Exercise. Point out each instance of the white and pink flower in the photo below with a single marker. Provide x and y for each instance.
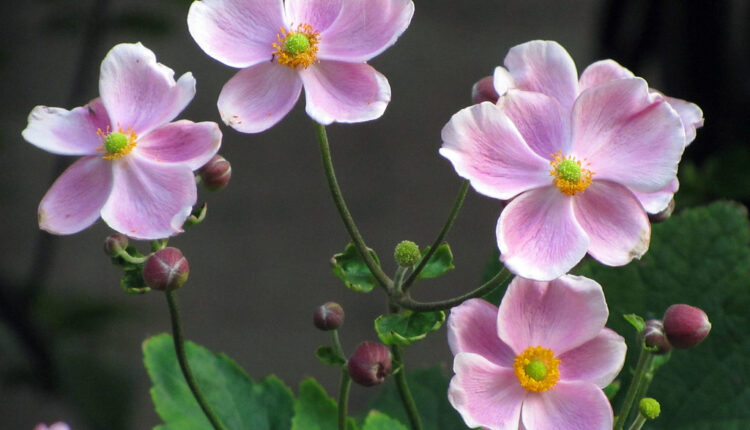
(55, 426)
(136, 170)
(321, 45)
(581, 162)
(537, 362)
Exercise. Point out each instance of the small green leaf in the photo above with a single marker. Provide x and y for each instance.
(439, 264)
(612, 389)
(329, 357)
(636, 321)
(408, 327)
(351, 268)
(132, 281)
(315, 410)
(379, 421)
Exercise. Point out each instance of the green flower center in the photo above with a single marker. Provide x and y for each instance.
(569, 170)
(536, 370)
(296, 43)
(115, 142)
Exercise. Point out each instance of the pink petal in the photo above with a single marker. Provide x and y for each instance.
(544, 67)
(502, 80)
(559, 315)
(601, 72)
(616, 224)
(570, 405)
(628, 135)
(344, 92)
(237, 33)
(472, 327)
(538, 235)
(540, 119)
(486, 148)
(183, 142)
(67, 132)
(598, 360)
(258, 97)
(74, 200)
(139, 92)
(690, 115)
(319, 14)
(149, 200)
(485, 394)
(657, 201)
(361, 29)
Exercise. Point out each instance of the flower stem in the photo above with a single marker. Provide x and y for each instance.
(403, 390)
(344, 385)
(131, 259)
(439, 239)
(644, 363)
(640, 420)
(346, 217)
(179, 346)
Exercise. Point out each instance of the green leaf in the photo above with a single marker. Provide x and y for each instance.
(132, 281)
(699, 257)
(439, 264)
(239, 402)
(351, 268)
(329, 356)
(612, 389)
(636, 321)
(314, 410)
(408, 327)
(379, 421)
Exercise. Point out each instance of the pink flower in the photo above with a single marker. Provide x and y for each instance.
(55, 426)
(137, 168)
(539, 361)
(573, 159)
(322, 45)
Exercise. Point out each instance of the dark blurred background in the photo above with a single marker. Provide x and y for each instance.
(70, 339)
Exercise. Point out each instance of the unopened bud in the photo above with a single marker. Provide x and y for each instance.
(407, 253)
(216, 173)
(654, 338)
(663, 215)
(114, 243)
(649, 408)
(685, 325)
(370, 363)
(328, 316)
(166, 270)
(484, 91)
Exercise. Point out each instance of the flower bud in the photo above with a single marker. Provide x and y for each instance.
(166, 270)
(328, 316)
(654, 338)
(370, 363)
(685, 325)
(407, 253)
(649, 408)
(663, 215)
(484, 91)
(114, 243)
(216, 173)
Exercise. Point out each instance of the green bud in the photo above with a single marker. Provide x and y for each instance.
(296, 43)
(569, 170)
(407, 253)
(649, 408)
(115, 142)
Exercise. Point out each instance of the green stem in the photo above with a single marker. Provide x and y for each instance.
(403, 390)
(158, 245)
(648, 376)
(644, 362)
(179, 346)
(344, 385)
(346, 217)
(337, 343)
(130, 259)
(407, 302)
(439, 239)
(638, 423)
(398, 278)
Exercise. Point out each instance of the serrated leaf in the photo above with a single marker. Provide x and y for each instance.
(408, 327)
(315, 410)
(240, 402)
(329, 356)
(636, 321)
(439, 264)
(351, 268)
(379, 421)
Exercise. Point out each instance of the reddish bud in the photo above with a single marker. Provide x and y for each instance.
(328, 316)
(654, 338)
(484, 91)
(370, 363)
(685, 326)
(166, 270)
(216, 173)
(114, 243)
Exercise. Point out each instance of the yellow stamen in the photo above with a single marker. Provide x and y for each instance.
(113, 152)
(570, 175)
(297, 48)
(537, 369)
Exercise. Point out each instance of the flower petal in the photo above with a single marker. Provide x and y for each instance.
(628, 135)
(364, 29)
(690, 114)
(601, 72)
(559, 315)
(74, 200)
(540, 119)
(67, 132)
(615, 222)
(538, 235)
(237, 33)
(544, 67)
(486, 148)
(657, 201)
(139, 92)
(344, 92)
(485, 394)
(182, 142)
(472, 327)
(149, 200)
(570, 405)
(319, 14)
(598, 360)
(256, 98)
(502, 80)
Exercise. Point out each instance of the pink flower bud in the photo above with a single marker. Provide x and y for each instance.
(166, 270)
(653, 336)
(114, 243)
(685, 326)
(370, 363)
(216, 173)
(484, 91)
(328, 316)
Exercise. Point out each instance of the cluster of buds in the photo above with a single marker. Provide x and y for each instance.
(683, 327)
